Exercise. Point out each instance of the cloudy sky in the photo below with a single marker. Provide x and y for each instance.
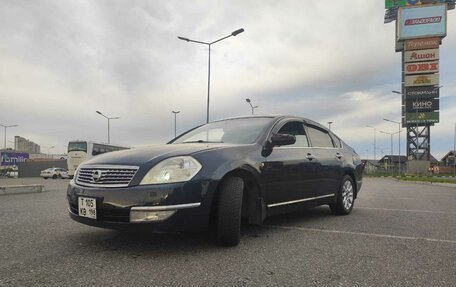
(60, 61)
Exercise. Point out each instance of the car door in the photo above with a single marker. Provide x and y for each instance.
(330, 157)
(289, 172)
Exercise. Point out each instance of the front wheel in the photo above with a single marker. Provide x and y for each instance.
(229, 205)
(345, 197)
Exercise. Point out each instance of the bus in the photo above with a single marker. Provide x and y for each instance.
(80, 151)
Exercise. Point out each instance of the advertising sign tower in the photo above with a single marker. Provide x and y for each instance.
(420, 28)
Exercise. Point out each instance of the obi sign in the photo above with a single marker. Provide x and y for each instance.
(12, 158)
(421, 22)
(421, 68)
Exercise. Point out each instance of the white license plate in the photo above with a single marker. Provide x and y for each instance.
(87, 207)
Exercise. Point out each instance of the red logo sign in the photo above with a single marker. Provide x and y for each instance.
(418, 68)
(423, 21)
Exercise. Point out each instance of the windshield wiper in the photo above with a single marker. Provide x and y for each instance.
(202, 141)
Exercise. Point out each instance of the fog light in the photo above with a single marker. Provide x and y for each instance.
(148, 216)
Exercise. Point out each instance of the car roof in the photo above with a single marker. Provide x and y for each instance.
(274, 116)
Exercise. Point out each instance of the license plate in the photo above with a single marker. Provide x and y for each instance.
(87, 207)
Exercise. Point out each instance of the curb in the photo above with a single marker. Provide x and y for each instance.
(17, 189)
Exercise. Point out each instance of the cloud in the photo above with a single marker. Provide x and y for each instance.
(324, 60)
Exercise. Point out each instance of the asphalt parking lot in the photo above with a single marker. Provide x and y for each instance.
(399, 234)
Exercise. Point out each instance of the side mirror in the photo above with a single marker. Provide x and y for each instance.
(282, 139)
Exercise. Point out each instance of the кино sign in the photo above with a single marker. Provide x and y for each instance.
(422, 105)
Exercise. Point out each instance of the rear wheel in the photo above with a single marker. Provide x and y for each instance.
(345, 197)
(229, 205)
(54, 176)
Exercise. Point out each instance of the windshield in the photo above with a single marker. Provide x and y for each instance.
(236, 131)
(77, 146)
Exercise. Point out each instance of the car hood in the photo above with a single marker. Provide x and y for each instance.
(140, 156)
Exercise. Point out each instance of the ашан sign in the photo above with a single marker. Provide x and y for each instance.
(421, 55)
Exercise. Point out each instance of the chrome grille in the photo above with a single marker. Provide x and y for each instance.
(106, 176)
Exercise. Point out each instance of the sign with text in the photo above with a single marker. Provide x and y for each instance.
(421, 68)
(422, 118)
(421, 22)
(422, 92)
(12, 158)
(422, 80)
(421, 44)
(421, 55)
(400, 3)
(421, 105)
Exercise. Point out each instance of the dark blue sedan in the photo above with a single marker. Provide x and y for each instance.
(216, 175)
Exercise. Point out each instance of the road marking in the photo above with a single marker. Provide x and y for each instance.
(405, 210)
(362, 234)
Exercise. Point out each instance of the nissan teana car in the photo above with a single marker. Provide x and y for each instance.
(217, 175)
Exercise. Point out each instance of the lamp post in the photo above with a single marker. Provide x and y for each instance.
(399, 135)
(234, 33)
(49, 149)
(329, 125)
(391, 149)
(7, 126)
(252, 106)
(108, 118)
(454, 150)
(175, 121)
(375, 145)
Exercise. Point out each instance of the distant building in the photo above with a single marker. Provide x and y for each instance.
(449, 158)
(24, 145)
(371, 166)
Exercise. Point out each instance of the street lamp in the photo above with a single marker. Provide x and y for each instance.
(234, 33)
(175, 121)
(252, 106)
(391, 149)
(375, 145)
(7, 126)
(49, 149)
(329, 125)
(399, 135)
(108, 118)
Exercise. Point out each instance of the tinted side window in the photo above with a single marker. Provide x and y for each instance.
(336, 141)
(319, 138)
(296, 129)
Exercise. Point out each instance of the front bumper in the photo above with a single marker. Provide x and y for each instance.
(191, 201)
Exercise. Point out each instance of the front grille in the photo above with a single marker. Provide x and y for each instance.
(106, 176)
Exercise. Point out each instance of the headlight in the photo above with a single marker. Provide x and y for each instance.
(171, 170)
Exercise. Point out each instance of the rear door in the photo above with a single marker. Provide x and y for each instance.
(330, 157)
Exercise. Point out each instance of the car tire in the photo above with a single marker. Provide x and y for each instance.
(229, 206)
(345, 197)
(54, 176)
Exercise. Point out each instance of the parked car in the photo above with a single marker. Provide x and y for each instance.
(216, 174)
(54, 172)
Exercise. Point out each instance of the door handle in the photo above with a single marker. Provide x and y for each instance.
(309, 156)
(339, 156)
